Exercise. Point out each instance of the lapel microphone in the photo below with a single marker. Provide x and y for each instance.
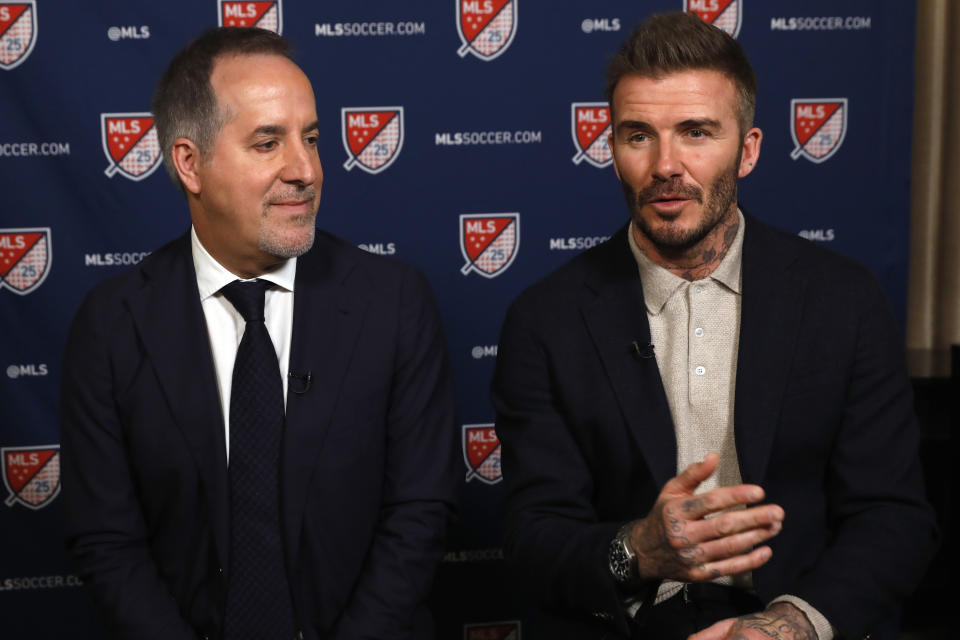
(300, 382)
(642, 351)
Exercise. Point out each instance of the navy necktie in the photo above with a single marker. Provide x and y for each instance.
(258, 594)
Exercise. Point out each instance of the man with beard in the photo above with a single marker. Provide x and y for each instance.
(706, 425)
(258, 430)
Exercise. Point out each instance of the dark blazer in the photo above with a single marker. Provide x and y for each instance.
(823, 421)
(368, 475)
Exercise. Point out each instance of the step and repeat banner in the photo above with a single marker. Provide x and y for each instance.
(467, 137)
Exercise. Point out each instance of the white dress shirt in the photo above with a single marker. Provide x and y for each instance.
(225, 325)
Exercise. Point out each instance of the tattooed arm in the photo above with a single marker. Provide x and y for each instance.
(779, 621)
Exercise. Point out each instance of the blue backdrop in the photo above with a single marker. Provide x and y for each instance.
(464, 136)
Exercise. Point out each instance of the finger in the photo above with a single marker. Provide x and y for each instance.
(696, 507)
(740, 543)
(716, 631)
(686, 482)
(730, 566)
(733, 522)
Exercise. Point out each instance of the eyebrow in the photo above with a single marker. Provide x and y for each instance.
(698, 122)
(279, 129)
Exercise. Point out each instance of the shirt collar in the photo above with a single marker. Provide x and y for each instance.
(659, 284)
(213, 276)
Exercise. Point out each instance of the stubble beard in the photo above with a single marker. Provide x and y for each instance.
(723, 194)
(277, 240)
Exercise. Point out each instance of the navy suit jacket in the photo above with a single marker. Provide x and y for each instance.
(368, 466)
(823, 420)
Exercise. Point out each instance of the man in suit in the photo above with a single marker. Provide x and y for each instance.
(707, 430)
(258, 427)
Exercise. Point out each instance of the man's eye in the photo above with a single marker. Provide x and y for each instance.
(698, 133)
(638, 137)
(267, 146)
(312, 140)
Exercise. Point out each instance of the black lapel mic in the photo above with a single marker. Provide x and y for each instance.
(300, 382)
(644, 351)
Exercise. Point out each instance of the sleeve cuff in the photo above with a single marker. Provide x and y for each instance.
(821, 625)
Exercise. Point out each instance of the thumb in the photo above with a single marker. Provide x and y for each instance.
(687, 481)
(716, 631)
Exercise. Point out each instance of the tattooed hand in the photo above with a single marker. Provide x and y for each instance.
(677, 541)
(780, 621)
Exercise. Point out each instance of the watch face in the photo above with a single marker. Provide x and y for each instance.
(619, 561)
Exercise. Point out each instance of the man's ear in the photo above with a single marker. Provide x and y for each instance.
(186, 160)
(751, 152)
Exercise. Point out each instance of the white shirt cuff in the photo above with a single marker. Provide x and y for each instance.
(821, 625)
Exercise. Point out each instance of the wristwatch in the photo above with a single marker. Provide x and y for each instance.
(622, 559)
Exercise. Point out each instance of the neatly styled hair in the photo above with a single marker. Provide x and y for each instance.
(184, 103)
(679, 41)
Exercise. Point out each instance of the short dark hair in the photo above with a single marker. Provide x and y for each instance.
(184, 104)
(679, 41)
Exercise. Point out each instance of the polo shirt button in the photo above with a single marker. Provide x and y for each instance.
(698, 332)
(700, 370)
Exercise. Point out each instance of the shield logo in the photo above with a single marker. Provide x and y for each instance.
(723, 14)
(481, 452)
(489, 242)
(818, 126)
(18, 32)
(486, 27)
(590, 126)
(492, 631)
(130, 143)
(264, 15)
(25, 256)
(372, 136)
(31, 475)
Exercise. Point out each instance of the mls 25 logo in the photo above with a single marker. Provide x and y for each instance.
(263, 15)
(18, 32)
(723, 14)
(130, 143)
(486, 27)
(31, 475)
(372, 137)
(818, 127)
(25, 256)
(489, 242)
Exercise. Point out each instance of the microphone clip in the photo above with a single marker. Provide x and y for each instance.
(300, 382)
(644, 351)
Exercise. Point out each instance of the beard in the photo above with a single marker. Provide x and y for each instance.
(721, 196)
(295, 237)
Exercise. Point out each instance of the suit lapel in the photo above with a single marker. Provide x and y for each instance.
(170, 322)
(769, 325)
(327, 318)
(615, 315)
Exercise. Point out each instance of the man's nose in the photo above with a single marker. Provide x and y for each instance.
(668, 164)
(301, 164)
